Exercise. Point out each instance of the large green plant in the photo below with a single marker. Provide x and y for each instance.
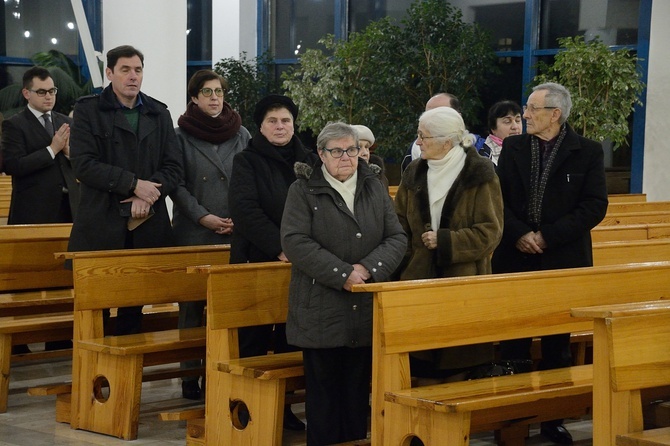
(66, 75)
(383, 76)
(248, 81)
(605, 85)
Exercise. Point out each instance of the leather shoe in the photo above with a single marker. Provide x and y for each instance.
(291, 422)
(190, 390)
(556, 433)
(20, 349)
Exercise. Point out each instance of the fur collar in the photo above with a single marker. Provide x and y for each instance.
(304, 171)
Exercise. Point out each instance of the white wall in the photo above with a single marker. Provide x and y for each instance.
(158, 29)
(656, 175)
(233, 29)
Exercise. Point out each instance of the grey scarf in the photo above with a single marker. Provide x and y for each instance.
(539, 177)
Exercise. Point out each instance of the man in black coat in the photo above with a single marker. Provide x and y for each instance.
(126, 155)
(554, 193)
(36, 154)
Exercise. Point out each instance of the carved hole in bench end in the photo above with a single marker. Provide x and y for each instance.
(101, 389)
(411, 440)
(239, 414)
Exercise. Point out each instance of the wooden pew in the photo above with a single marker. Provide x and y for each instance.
(645, 231)
(626, 198)
(107, 372)
(5, 197)
(631, 218)
(631, 352)
(35, 293)
(641, 206)
(427, 314)
(240, 296)
(630, 251)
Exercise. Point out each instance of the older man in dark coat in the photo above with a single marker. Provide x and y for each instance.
(554, 192)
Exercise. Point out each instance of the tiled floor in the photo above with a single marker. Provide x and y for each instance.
(30, 421)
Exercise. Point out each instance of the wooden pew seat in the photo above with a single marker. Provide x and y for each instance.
(275, 366)
(121, 278)
(450, 312)
(631, 353)
(33, 286)
(652, 437)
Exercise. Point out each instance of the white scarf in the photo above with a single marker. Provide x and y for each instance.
(346, 188)
(441, 176)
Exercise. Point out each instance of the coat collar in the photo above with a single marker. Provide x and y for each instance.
(476, 171)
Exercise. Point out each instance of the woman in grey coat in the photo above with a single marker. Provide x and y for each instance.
(338, 229)
(210, 134)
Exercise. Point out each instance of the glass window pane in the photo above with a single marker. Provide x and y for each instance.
(199, 30)
(362, 12)
(299, 24)
(36, 26)
(505, 23)
(614, 21)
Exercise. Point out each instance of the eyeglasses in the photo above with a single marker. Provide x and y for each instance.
(336, 152)
(534, 108)
(42, 92)
(420, 137)
(207, 92)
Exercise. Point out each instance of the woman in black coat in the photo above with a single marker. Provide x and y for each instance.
(262, 174)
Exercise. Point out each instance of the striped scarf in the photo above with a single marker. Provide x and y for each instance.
(539, 176)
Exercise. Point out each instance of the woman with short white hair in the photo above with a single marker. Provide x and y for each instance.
(450, 204)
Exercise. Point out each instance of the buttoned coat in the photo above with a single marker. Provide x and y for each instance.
(575, 201)
(106, 155)
(204, 189)
(38, 178)
(323, 239)
(261, 179)
(471, 221)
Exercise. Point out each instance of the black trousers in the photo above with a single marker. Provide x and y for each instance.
(555, 354)
(337, 394)
(257, 341)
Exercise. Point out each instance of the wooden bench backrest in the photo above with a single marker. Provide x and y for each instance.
(627, 198)
(121, 278)
(427, 314)
(247, 294)
(631, 251)
(27, 257)
(639, 351)
(643, 231)
(642, 206)
(630, 218)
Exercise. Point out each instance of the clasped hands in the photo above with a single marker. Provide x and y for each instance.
(146, 194)
(531, 243)
(61, 140)
(359, 275)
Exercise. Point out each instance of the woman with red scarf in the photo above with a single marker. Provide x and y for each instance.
(210, 134)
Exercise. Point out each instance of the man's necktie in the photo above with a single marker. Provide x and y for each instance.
(48, 125)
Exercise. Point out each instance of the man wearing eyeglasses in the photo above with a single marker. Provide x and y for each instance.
(36, 148)
(126, 156)
(554, 192)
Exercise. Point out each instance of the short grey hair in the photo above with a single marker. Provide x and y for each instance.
(447, 123)
(557, 96)
(335, 130)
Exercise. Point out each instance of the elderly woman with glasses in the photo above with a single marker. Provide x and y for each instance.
(210, 133)
(450, 205)
(339, 229)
